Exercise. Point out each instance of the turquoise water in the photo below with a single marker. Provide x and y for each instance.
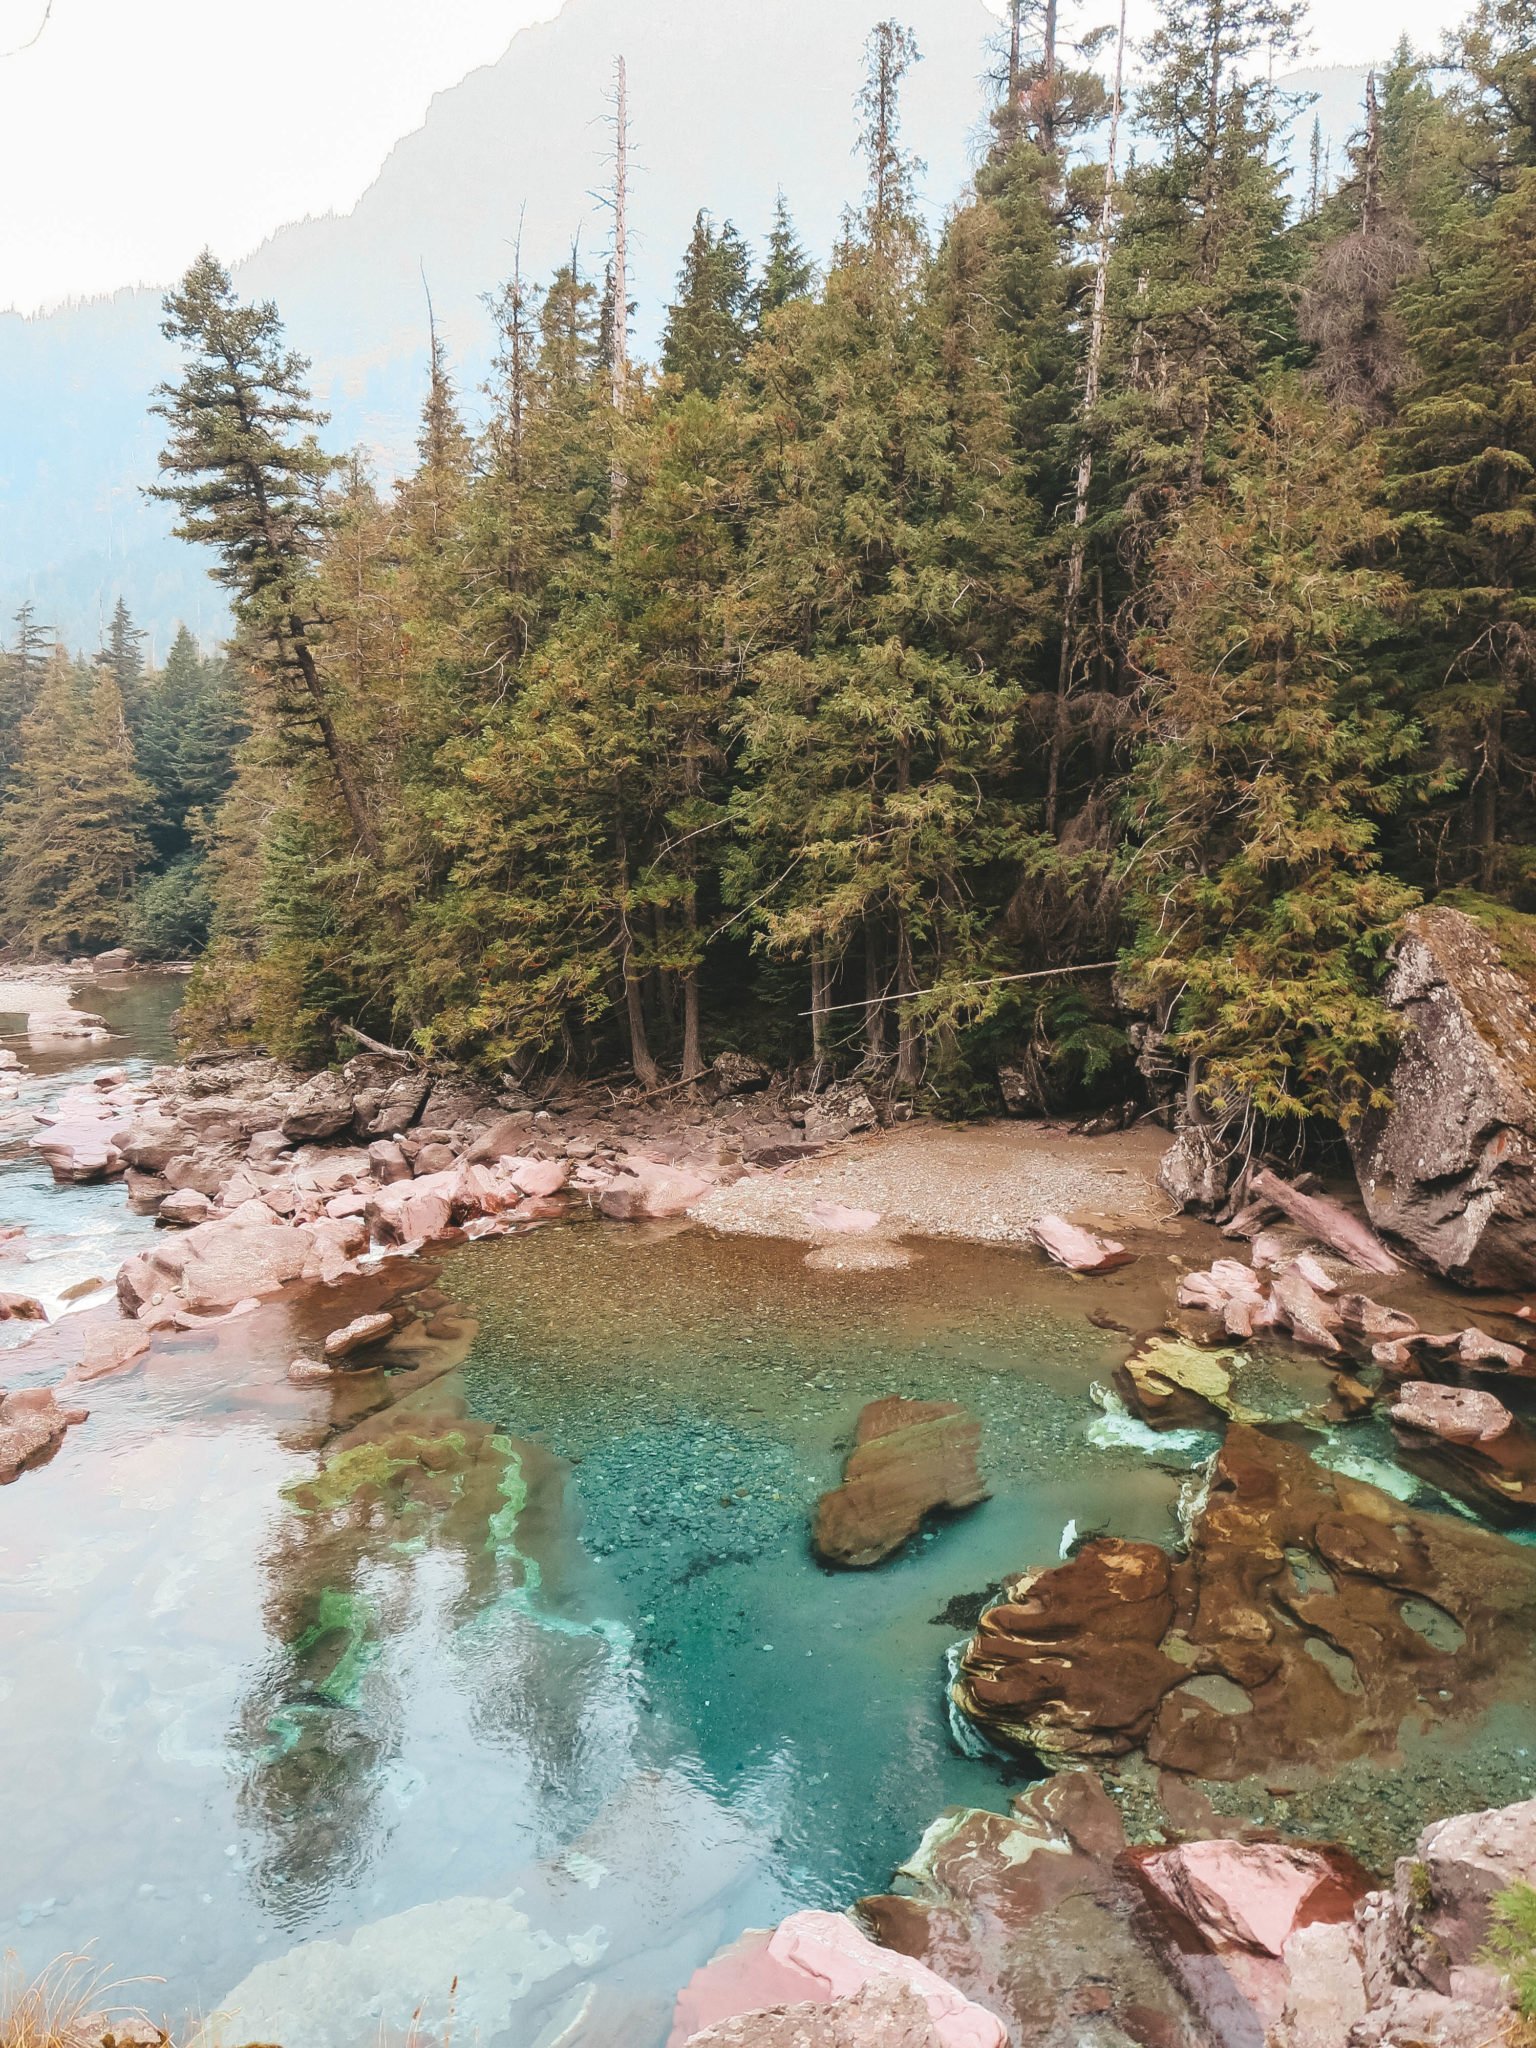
(540, 1641)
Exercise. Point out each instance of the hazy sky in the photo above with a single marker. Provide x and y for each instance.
(134, 131)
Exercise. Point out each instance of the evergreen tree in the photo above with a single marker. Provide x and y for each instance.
(707, 328)
(247, 474)
(1462, 481)
(184, 747)
(788, 272)
(123, 653)
(1260, 904)
(22, 667)
(68, 831)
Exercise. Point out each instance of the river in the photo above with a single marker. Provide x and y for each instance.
(562, 1703)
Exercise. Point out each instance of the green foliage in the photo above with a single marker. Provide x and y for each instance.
(1512, 1944)
(1050, 594)
(171, 913)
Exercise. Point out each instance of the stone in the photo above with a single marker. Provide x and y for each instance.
(387, 1093)
(311, 1372)
(1324, 1219)
(839, 1112)
(151, 1143)
(413, 1212)
(146, 1191)
(1169, 1383)
(111, 1348)
(736, 1073)
(815, 1957)
(878, 2015)
(1303, 1311)
(540, 1177)
(1033, 1913)
(1230, 1290)
(651, 1188)
(23, 1308)
(1450, 1168)
(836, 1219)
(1080, 1250)
(1457, 1415)
(184, 1207)
(387, 1163)
(32, 1426)
(361, 1331)
(320, 1109)
(1196, 1171)
(910, 1459)
(229, 1262)
(114, 960)
(507, 1138)
(435, 1159)
(1310, 1614)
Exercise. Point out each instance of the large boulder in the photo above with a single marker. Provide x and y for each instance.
(880, 2014)
(910, 1458)
(387, 1094)
(1310, 1616)
(322, 1107)
(1450, 1168)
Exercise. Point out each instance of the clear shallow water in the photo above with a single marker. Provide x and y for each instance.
(532, 1678)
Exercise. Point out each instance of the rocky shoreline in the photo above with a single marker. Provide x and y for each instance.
(1306, 1618)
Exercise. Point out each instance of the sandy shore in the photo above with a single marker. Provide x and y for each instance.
(980, 1181)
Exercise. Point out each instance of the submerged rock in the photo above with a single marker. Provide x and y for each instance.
(1032, 1913)
(909, 1459)
(1450, 1168)
(1312, 1615)
(1469, 1443)
(361, 1331)
(1169, 1383)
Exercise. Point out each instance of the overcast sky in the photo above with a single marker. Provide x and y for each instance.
(132, 132)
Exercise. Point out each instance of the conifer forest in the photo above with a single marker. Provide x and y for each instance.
(1122, 605)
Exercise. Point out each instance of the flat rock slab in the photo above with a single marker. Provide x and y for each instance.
(910, 1458)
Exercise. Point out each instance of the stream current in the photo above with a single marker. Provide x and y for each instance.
(531, 1678)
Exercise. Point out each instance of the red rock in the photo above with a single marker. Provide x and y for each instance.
(21, 1308)
(1249, 1895)
(1460, 1415)
(184, 1207)
(1075, 1662)
(1081, 1251)
(1328, 1220)
(32, 1426)
(111, 1348)
(1310, 1319)
(541, 1176)
(311, 1372)
(839, 1220)
(819, 1958)
(1229, 1290)
(910, 1458)
(651, 1188)
(362, 1330)
(414, 1212)
(228, 1261)
(387, 1163)
(879, 2015)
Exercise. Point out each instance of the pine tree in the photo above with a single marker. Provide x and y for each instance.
(707, 327)
(247, 474)
(22, 667)
(188, 730)
(1260, 904)
(123, 654)
(68, 832)
(1462, 481)
(788, 272)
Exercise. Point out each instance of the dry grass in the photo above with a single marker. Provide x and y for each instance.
(73, 2003)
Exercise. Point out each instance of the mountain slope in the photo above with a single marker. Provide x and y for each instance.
(730, 99)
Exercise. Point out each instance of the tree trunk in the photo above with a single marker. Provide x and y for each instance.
(346, 782)
(619, 368)
(1485, 802)
(818, 1007)
(647, 1073)
(1092, 370)
(874, 994)
(693, 1058)
(908, 1063)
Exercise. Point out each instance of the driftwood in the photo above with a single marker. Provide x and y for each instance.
(1325, 1219)
(389, 1052)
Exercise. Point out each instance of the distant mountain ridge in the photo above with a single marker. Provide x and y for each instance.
(731, 99)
